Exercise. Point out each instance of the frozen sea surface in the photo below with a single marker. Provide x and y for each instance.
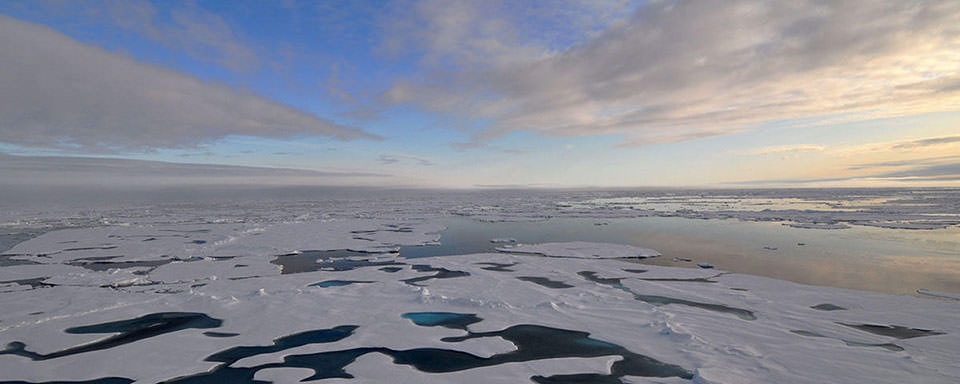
(411, 289)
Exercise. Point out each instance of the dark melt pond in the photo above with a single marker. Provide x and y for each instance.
(336, 260)
(887, 346)
(533, 342)
(895, 331)
(338, 283)
(664, 300)
(100, 264)
(543, 281)
(125, 332)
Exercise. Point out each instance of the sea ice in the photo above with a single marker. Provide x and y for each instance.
(717, 326)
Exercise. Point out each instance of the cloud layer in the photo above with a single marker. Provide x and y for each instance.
(89, 171)
(681, 70)
(58, 92)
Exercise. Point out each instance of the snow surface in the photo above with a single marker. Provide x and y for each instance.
(259, 304)
(119, 263)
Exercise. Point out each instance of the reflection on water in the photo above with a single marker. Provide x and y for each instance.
(876, 259)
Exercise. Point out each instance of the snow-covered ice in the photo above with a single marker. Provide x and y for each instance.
(191, 295)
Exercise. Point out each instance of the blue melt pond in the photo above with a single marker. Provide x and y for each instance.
(442, 319)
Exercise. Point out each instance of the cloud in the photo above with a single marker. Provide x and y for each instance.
(393, 159)
(927, 171)
(58, 92)
(904, 163)
(179, 26)
(923, 145)
(918, 170)
(792, 181)
(62, 170)
(462, 146)
(683, 70)
(781, 149)
(927, 142)
(663, 137)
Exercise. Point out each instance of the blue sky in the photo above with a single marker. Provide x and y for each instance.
(467, 94)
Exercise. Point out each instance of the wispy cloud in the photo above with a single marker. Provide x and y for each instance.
(184, 27)
(905, 163)
(927, 142)
(929, 171)
(920, 145)
(913, 173)
(59, 92)
(784, 149)
(394, 159)
(677, 71)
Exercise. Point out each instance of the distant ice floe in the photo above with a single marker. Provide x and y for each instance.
(907, 209)
(806, 208)
(583, 250)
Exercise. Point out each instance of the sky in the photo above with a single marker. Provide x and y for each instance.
(481, 94)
